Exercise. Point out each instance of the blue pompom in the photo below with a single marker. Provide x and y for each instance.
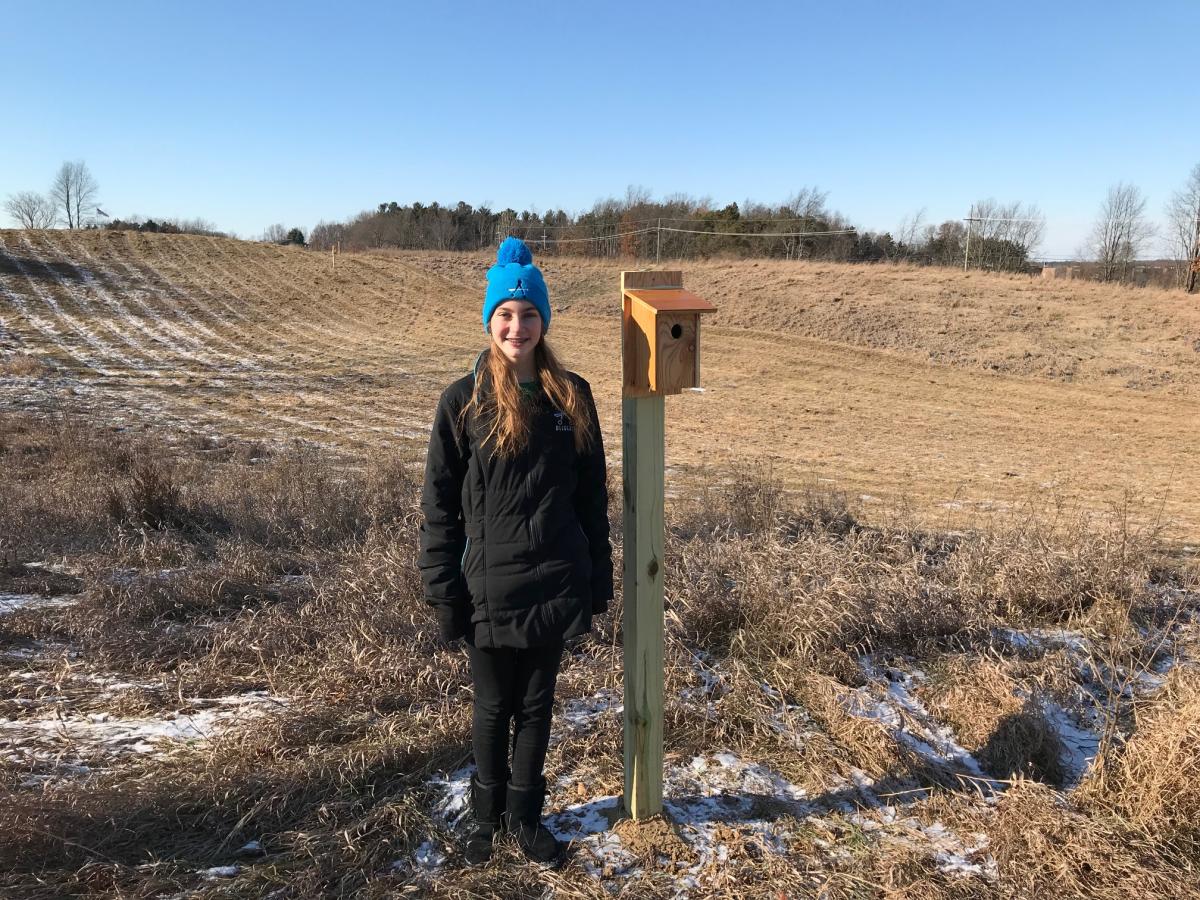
(513, 250)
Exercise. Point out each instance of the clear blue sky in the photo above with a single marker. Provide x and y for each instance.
(252, 113)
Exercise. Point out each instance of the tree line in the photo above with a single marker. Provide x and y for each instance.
(994, 236)
(681, 227)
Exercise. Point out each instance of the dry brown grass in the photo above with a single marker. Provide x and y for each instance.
(294, 573)
(1046, 847)
(1007, 733)
(23, 365)
(964, 394)
(1075, 331)
(1153, 781)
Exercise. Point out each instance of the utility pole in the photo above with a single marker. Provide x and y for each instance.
(658, 250)
(967, 251)
(1194, 270)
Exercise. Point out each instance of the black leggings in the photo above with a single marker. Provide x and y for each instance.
(517, 687)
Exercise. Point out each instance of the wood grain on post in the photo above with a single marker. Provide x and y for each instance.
(643, 461)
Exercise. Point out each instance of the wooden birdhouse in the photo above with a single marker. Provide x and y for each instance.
(661, 336)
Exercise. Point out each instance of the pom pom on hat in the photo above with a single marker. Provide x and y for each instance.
(513, 250)
(515, 277)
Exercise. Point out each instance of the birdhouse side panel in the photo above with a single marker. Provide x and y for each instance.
(638, 349)
(646, 321)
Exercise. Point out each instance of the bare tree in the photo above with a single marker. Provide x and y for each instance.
(1121, 231)
(909, 229)
(31, 210)
(1004, 235)
(275, 234)
(1183, 229)
(74, 190)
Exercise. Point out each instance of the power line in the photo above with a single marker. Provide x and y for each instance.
(622, 234)
(995, 219)
(765, 233)
(534, 226)
(603, 237)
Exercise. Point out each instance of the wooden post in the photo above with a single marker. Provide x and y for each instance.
(643, 420)
(643, 461)
(660, 350)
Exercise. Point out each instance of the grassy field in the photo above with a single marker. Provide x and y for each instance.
(955, 393)
(933, 602)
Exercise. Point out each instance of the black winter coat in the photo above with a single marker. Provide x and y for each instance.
(515, 552)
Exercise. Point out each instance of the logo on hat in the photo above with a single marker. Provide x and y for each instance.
(519, 290)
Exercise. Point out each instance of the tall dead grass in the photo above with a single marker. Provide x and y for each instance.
(1152, 781)
(219, 567)
(23, 365)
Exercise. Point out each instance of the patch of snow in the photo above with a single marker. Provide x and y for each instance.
(251, 848)
(1080, 745)
(12, 602)
(580, 714)
(713, 685)
(102, 734)
(1043, 639)
(888, 698)
(456, 795)
(219, 872)
(950, 853)
(428, 856)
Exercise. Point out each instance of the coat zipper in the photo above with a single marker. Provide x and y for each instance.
(537, 566)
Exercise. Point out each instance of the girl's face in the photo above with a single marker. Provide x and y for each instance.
(516, 328)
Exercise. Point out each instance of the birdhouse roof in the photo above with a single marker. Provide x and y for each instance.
(671, 300)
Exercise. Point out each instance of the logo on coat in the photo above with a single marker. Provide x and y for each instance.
(561, 422)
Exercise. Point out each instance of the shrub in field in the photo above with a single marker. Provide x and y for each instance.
(1008, 734)
(55, 475)
(23, 365)
(1046, 846)
(302, 497)
(1153, 781)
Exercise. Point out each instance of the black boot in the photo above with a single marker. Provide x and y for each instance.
(487, 808)
(524, 813)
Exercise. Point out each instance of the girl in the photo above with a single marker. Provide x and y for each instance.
(515, 554)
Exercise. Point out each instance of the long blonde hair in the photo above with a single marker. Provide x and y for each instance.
(498, 405)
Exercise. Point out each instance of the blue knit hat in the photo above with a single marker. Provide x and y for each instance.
(515, 277)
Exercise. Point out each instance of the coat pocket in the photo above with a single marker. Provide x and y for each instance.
(474, 544)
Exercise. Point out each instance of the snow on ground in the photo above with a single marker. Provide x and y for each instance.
(580, 715)
(888, 698)
(219, 872)
(69, 744)
(1080, 723)
(10, 603)
(721, 804)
